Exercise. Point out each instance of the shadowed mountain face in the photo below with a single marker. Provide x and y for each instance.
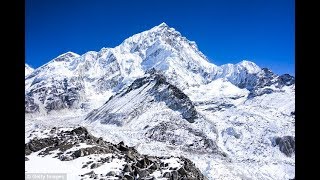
(158, 90)
(140, 106)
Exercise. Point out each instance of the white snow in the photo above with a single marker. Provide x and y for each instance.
(28, 70)
(73, 169)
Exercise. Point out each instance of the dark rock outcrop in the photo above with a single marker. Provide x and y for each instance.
(267, 78)
(136, 166)
(286, 144)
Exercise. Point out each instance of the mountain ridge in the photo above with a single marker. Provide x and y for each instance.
(111, 69)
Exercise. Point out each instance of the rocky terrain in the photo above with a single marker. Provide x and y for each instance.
(113, 161)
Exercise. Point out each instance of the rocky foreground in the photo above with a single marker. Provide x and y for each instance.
(103, 160)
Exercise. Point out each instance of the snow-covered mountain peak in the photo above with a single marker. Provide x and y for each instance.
(163, 24)
(95, 76)
(66, 56)
(161, 27)
(250, 66)
(164, 49)
(28, 70)
(162, 35)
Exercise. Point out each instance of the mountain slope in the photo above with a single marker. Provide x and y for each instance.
(157, 111)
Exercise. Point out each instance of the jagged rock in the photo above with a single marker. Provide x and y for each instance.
(122, 148)
(130, 155)
(174, 175)
(91, 150)
(143, 163)
(182, 171)
(100, 141)
(192, 171)
(137, 165)
(38, 144)
(111, 173)
(26, 159)
(286, 144)
(80, 131)
(94, 165)
(128, 177)
(154, 166)
(89, 162)
(89, 173)
(127, 168)
(286, 80)
(78, 153)
(166, 175)
(143, 173)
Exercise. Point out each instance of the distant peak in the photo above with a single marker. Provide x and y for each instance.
(28, 70)
(69, 54)
(66, 56)
(163, 24)
(247, 63)
(28, 66)
(250, 66)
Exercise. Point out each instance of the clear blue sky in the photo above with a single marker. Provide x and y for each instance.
(226, 31)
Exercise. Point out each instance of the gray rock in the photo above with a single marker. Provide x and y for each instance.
(128, 177)
(143, 173)
(154, 166)
(100, 141)
(182, 171)
(286, 145)
(166, 175)
(89, 173)
(94, 165)
(127, 168)
(79, 153)
(174, 175)
(111, 173)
